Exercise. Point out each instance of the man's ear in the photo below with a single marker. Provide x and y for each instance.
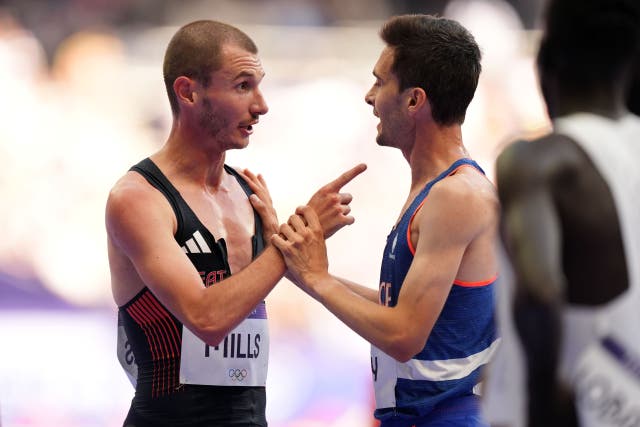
(417, 100)
(184, 88)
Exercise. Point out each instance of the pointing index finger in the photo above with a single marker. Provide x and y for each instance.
(346, 177)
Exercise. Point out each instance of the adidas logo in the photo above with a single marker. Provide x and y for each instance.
(392, 255)
(196, 245)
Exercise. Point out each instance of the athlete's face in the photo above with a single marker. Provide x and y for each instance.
(385, 98)
(232, 103)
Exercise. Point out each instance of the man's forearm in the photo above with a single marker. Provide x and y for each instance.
(363, 291)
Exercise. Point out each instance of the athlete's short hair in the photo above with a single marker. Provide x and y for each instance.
(438, 55)
(195, 52)
(587, 43)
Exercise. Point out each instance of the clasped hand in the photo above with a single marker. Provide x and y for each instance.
(301, 239)
(302, 244)
(331, 206)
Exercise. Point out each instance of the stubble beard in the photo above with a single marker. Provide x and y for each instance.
(390, 134)
(382, 139)
(210, 122)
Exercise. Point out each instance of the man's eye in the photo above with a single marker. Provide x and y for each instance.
(243, 85)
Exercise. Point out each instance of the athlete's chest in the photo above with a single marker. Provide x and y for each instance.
(226, 215)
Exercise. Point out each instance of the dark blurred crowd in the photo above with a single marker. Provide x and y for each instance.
(52, 21)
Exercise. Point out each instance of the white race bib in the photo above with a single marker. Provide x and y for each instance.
(125, 356)
(383, 368)
(241, 359)
(607, 383)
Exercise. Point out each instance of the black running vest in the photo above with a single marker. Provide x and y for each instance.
(155, 335)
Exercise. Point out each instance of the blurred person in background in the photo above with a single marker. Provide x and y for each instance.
(633, 99)
(431, 323)
(571, 222)
(190, 266)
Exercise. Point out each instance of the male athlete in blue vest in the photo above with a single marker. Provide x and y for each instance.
(431, 325)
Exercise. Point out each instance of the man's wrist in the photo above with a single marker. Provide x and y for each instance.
(321, 286)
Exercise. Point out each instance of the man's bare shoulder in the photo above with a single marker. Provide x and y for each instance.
(467, 187)
(532, 163)
(133, 201)
(466, 201)
(129, 191)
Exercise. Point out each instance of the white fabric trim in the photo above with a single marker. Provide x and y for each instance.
(448, 369)
(192, 247)
(201, 242)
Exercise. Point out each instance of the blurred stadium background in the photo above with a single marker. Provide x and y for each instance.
(83, 99)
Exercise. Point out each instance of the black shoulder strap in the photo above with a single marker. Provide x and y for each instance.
(156, 178)
(258, 239)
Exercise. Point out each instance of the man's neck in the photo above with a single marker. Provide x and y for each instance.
(434, 150)
(186, 158)
(605, 102)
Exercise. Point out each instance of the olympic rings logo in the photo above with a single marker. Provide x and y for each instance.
(237, 374)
